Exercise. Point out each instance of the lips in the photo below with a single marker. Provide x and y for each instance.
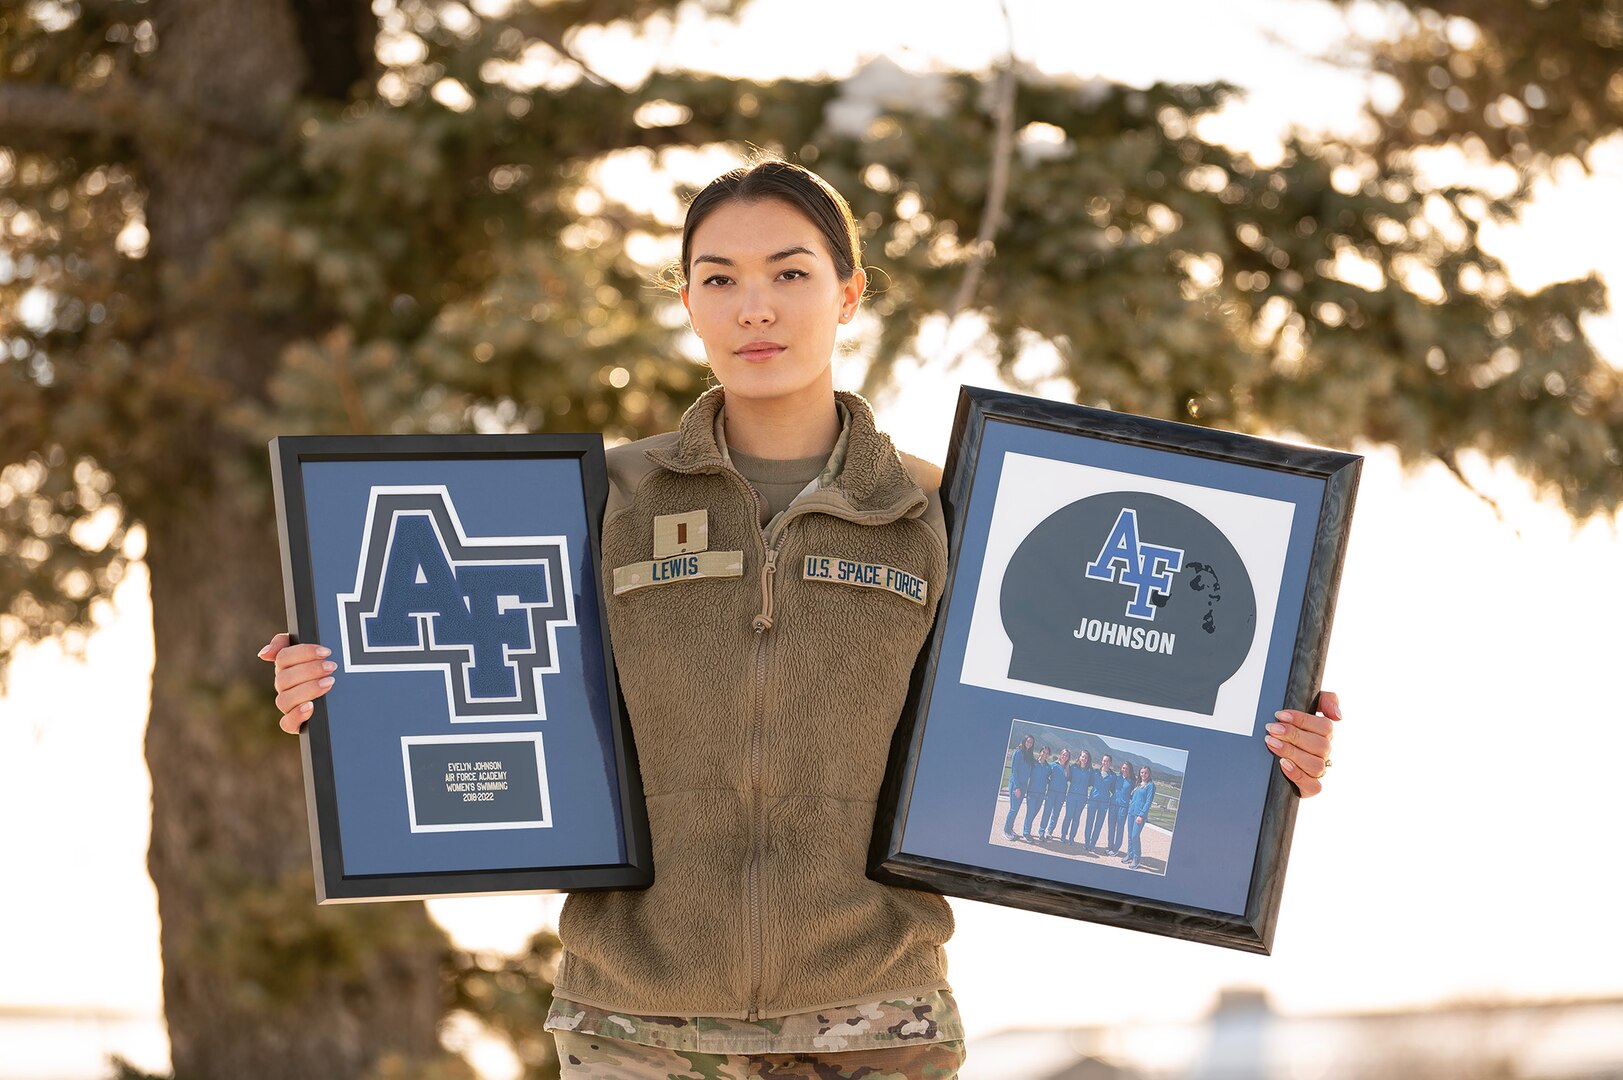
(758, 351)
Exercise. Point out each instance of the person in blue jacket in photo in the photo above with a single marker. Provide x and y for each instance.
(1076, 794)
(1099, 797)
(1059, 779)
(1022, 763)
(1118, 808)
(1138, 812)
(1039, 793)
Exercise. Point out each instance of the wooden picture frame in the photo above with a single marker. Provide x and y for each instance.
(1124, 586)
(474, 740)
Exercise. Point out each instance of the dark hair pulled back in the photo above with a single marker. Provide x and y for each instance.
(795, 185)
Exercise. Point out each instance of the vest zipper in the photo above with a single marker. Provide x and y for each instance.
(757, 822)
(760, 624)
(763, 621)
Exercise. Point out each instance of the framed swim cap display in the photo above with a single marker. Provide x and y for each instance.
(474, 740)
(1130, 602)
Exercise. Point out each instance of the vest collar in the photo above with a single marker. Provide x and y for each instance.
(873, 480)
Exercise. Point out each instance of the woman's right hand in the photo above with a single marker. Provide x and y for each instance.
(303, 673)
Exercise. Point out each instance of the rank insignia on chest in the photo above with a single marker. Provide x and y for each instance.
(866, 575)
(678, 534)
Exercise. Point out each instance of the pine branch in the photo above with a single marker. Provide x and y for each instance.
(56, 110)
(1452, 463)
(123, 107)
(996, 193)
(997, 186)
(542, 25)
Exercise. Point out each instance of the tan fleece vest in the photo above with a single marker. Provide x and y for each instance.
(762, 706)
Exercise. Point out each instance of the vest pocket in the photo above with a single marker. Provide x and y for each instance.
(678, 946)
(832, 934)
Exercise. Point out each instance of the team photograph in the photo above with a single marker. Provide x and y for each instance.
(1077, 795)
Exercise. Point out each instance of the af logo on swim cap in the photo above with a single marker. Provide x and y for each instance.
(484, 611)
(1131, 596)
(1148, 568)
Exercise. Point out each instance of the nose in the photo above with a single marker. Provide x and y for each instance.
(755, 306)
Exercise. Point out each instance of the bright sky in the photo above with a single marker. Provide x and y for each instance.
(1465, 840)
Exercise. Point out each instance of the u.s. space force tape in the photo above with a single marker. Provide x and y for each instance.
(840, 571)
(698, 564)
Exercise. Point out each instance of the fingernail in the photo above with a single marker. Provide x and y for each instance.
(1289, 766)
(1277, 729)
(261, 653)
(325, 682)
(306, 707)
(1272, 742)
(1282, 715)
(322, 650)
(329, 666)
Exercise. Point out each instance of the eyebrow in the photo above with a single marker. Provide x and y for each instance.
(775, 257)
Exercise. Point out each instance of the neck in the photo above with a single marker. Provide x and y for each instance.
(784, 429)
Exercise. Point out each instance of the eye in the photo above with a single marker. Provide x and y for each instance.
(713, 278)
(796, 273)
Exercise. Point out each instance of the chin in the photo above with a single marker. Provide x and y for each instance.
(770, 385)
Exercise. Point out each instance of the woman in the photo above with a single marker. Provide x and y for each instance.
(1076, 794)
(1022, 764)
(761, 918)
(1138, 812)
(1059, 777)
(1100, 796)
(1118, 807)
(1040, 779)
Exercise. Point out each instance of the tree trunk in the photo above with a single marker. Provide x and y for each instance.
(259, 984)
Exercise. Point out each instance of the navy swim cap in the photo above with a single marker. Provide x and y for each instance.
(1132, 596)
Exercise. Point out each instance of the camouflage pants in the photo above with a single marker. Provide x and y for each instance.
(592, 1057)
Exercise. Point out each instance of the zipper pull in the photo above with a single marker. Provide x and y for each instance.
(763, 622)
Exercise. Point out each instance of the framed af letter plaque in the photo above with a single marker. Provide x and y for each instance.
(474, 740)
(1130, 602)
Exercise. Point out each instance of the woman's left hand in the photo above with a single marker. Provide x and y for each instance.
(1302, 742)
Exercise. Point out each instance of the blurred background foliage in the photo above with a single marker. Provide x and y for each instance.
(222, 222)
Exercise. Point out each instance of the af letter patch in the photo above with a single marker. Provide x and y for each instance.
(1148, 568)
(483, 611)
(866, 575)
(678, 534)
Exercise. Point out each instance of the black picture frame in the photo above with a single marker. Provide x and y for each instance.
(471, 709)
(1012, 460)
